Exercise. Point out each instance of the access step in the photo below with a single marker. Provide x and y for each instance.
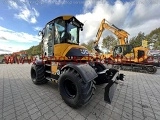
(48, 64)
(47, 71)
(48, 78)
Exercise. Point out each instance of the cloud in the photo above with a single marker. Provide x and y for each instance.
(144, 11)
(13, 4)
(89, 4)
(3, 38)
(11, 35)
(4, 50)
(24, 10)
(115, 13)
(133, 16)
(146, 27)
(12, 41)
(10, 48)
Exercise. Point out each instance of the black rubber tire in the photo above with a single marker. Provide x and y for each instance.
(73, 90)
(38, 74)
(151, 69)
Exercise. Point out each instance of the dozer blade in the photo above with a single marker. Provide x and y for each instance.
(110, 89)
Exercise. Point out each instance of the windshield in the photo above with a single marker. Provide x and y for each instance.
(123, 50)
(66, 32)
(72, 30)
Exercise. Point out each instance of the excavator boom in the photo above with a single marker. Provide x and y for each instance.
(120, 33)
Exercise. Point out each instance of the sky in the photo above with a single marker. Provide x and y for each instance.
(20, 20)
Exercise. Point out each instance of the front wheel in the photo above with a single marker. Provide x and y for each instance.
(38, 74)
(73, 90)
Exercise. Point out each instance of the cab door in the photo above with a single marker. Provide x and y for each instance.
(48, 40)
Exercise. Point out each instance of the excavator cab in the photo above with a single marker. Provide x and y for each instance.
(122, 50)
(64, 29)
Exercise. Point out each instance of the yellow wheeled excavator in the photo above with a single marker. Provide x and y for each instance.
(124, 55)
(68, 64)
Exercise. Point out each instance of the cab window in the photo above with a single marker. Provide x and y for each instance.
(73, 30)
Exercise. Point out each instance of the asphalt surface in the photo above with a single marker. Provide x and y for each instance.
(137, 98)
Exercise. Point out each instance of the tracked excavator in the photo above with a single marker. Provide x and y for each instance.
(124, 55)
(67, 63)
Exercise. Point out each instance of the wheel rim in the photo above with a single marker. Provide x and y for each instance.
(70, 88)
(150, 69)
(33, 74)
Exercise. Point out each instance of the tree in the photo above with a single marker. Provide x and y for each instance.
(154, 38)
(35, 50)
(132, 41)
(89, 45)
(84, 44)
(109, 42)
(137, 41)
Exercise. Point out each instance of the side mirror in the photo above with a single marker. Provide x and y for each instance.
(40, 33)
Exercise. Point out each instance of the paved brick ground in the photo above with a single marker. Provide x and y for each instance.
(138, 98)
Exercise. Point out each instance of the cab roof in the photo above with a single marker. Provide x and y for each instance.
(66, 17)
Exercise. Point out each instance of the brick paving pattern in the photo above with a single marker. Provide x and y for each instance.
(137, 98)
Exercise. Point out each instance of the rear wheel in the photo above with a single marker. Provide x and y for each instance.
(151, 69)
(38, 74)
(73, 90)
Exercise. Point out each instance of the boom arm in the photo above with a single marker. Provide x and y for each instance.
(121, 34)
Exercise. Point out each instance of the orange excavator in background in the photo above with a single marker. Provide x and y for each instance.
(122, 36)
(125, 56)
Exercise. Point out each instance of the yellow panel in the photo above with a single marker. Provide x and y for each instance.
(63, 48)
(144, 43)
(67, 17)
(60, 50)
(54, 68)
